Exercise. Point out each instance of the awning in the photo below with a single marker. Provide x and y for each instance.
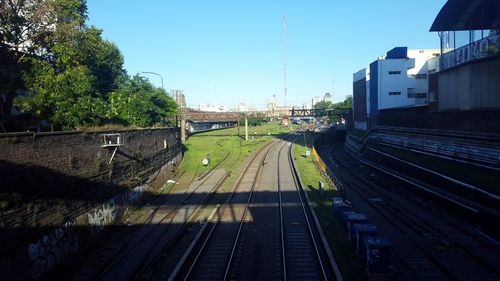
(468, 15)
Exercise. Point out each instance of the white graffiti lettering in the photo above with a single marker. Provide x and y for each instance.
(101, 216)
(52, 249)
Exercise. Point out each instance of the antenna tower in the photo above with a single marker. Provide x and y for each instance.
(285, 57)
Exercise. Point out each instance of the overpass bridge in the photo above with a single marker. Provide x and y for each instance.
(341, 112)
(198, 121)
(193, 121)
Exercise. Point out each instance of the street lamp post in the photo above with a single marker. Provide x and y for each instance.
(161, 78)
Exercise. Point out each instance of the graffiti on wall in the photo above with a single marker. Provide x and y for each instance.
(132, 196)
(52, 249)
(109, 212)
(101, 216)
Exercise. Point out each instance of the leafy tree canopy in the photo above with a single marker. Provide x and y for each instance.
(347, 103)
(28, 29)
(75, 77)
(323, 105)
(85, 46)
(29, 26)
(139, 103)
(66, 99)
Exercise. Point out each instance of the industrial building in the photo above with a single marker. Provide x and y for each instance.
(468, 80)
(399, 79)
(453, 88)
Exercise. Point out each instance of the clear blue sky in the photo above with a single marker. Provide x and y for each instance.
(225, 52)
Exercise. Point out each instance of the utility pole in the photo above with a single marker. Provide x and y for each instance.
(305, 141)
(183, 125)
(285, 54)
(246, 127)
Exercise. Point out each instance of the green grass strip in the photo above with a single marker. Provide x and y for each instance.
(351, 266)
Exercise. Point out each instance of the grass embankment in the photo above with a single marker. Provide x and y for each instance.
(351, 266)
(227, 143)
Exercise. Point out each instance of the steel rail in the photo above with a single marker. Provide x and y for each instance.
(297, 187)
(282, 228)
(453, 180)
(123, 252)
(393, 211)
(223, 207)
(235, 244)
(203, 178)
(178, 230)
(456, 200)
(386, 215)
(226, 275)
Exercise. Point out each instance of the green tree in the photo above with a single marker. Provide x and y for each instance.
(323, 105)
(139, 103)
(27, 29)
(85, 46)
(69, 87)
(66, 99)
(347, 103)
(74, 77)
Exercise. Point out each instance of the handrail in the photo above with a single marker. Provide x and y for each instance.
(486, 47)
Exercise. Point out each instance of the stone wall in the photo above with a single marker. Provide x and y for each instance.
(77, 153)
(60, 192)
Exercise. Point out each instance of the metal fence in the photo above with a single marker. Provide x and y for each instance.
(486, 47)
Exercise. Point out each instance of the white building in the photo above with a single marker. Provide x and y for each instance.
(399, 79)
(315, 100)
(213, 108)
(328, 97)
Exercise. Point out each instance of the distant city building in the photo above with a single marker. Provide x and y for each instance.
(178, 96)
(213, 108)
(242, 107)
(399, 79)
(327, 97)
(315, 100)
(271, 104)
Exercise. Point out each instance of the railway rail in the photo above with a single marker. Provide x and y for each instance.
(218, 242)
(466, 195)
(316, 265)
(263, 231)
(428, 242)
(120, 256)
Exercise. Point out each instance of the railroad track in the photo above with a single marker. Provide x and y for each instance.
(160, 226)
(466, 195)
(262, 231)
(427, 242)
(301, 262)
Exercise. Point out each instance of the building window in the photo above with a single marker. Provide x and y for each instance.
(417, 95)
(421, 76)
(394, 72)
(394, 93)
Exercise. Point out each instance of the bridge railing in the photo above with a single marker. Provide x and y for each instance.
(321, 112)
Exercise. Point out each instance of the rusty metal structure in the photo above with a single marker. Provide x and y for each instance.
(342, 112)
